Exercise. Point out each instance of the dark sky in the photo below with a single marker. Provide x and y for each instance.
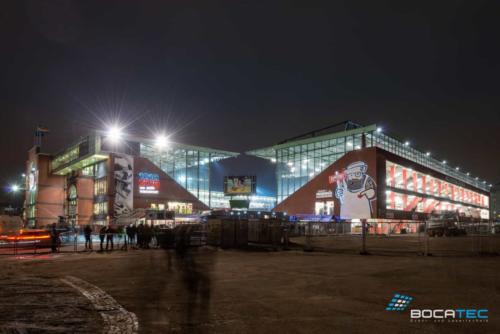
(238, 75)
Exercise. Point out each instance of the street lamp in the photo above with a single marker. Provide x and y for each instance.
(14, 188)
(407, 143)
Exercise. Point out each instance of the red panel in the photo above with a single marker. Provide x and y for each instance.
(392, 173)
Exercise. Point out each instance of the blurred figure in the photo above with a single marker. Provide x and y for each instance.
(133, 232)
(130, 234)
(102, 235)
(109, 237)
(87, 231)
(54, 237)
(147, 236)
(123, 234)
(140, 235)
(195, 276)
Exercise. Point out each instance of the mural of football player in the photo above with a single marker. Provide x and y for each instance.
(355, 191)
(124, 184)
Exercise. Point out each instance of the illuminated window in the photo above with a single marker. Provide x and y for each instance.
(400, 177)
(100, 187)
(180, 207)
(100, 208)
(88, 171)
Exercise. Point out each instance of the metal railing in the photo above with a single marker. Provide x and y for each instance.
(403, 238)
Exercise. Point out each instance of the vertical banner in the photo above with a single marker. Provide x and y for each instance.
(124, 184)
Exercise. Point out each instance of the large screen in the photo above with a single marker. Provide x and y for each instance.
(239, 185)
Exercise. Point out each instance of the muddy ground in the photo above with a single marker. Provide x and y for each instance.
(229, 291)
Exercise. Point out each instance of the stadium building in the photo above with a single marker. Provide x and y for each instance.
(363, 173)
(102, 177)
(345, 171)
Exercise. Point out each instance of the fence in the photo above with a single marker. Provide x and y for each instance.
(408, 238)
(397, 239)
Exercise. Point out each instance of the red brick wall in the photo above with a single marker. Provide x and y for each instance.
(169, 189)
(51, 193)
(85, 200)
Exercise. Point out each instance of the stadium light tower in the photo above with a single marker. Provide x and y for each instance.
(114, 133)
(161, 141)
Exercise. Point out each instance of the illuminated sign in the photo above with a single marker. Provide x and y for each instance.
(239, 185)
(324, 194)
(149, 183)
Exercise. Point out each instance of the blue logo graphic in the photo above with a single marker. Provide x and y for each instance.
(399, 303)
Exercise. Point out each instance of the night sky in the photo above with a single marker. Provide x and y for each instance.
(239, 75)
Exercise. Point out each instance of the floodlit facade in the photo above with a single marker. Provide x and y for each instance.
(413, 181)
(298, 161)
(96, 180)
(100, 178)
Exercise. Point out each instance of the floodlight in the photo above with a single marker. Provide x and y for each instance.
(161, 141)
(114, 133)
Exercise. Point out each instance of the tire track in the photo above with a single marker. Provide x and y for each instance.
(116, 318)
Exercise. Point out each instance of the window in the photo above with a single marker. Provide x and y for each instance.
(100, 208)
(180, 207)
(88, 171)
(100, 187)
(400, 177)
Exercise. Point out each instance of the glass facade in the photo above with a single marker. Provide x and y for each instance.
(188, 165)
(264, 203)
(299, 161)
(409, 190)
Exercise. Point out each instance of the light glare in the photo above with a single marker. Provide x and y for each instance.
(114, 133)
(161, 141)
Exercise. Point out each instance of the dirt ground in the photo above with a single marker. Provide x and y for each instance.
(229, 291)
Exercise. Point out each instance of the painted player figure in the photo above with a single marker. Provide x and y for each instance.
(355, 191)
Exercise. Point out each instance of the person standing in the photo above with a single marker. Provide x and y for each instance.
(102, 235)
(140, 235)
(54, 237)
(109, 237)
(87, 231)
(128, 233)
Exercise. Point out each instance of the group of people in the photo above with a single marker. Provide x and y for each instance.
(142, 236)
(106, 233)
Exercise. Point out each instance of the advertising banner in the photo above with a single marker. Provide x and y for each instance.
(124, 184)
(149, 183)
